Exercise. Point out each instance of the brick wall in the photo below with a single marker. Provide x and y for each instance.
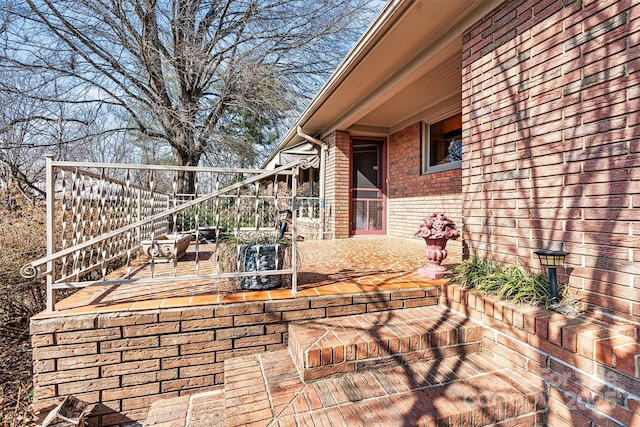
(411, 196)
(128, 360)
(338, 181)
(551, 152)
(590, 366)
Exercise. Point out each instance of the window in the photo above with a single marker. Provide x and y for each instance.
(442, 148)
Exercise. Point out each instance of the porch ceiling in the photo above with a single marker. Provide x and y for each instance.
(438, 84)
(395, 78)
(408, 61)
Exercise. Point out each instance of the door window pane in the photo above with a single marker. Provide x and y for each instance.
(367, 215)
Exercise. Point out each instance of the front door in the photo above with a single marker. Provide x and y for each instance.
(367, 187)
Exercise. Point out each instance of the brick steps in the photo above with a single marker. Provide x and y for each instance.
(420, 366)
(466, 390)
(369, 341)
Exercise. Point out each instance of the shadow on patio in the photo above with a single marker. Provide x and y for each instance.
(327, 267)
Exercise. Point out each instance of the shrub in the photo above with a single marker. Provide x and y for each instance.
(22, 239)
(473, 272)
(512, 282)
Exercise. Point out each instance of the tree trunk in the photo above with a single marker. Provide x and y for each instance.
(186, 179)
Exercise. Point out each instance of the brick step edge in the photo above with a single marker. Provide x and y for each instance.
(311, 374)
(341, 345)
(612, 342)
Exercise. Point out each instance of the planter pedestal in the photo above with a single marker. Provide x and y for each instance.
(435, 254)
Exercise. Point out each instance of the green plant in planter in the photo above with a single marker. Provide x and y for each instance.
(211, 225)
(512, 282)
(473, 272)
(520, 285)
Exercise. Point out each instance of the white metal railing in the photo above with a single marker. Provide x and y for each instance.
(315, 217)
(100, 216)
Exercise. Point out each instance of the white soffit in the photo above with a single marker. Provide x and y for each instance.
(395, 62)
(403, 103)
(424, 36)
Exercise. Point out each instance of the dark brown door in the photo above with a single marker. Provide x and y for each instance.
(367, 187)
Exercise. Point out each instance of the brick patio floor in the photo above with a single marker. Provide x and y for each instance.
(327, 267)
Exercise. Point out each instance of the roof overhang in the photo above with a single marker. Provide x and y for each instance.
(407, 63)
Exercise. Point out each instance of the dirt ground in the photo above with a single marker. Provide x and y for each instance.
(16, 385)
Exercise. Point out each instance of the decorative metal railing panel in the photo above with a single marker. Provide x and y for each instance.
(103, 217)
(90, 205)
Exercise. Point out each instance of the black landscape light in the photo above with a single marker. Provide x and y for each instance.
(552, 260)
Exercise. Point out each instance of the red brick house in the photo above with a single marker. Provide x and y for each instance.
(544, 96)
(519, 119)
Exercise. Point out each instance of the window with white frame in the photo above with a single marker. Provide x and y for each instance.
(442, 145)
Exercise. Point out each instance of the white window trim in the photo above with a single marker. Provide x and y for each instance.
(426, 136)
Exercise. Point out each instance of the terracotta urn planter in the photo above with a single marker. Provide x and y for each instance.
(435, 253)
(436, 229)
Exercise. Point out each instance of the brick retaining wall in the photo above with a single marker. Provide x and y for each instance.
(128, 360)
(591, 366)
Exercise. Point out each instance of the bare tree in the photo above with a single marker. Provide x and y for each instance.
(212, 79)
(29, 129)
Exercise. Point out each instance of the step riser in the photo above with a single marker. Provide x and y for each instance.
(529, 420)
(355, 418)
(338, 346)
(311, 374)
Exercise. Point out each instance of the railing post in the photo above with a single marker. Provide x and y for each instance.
(322, 189)
(139, 211)
(294, 230)
(51, 235)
